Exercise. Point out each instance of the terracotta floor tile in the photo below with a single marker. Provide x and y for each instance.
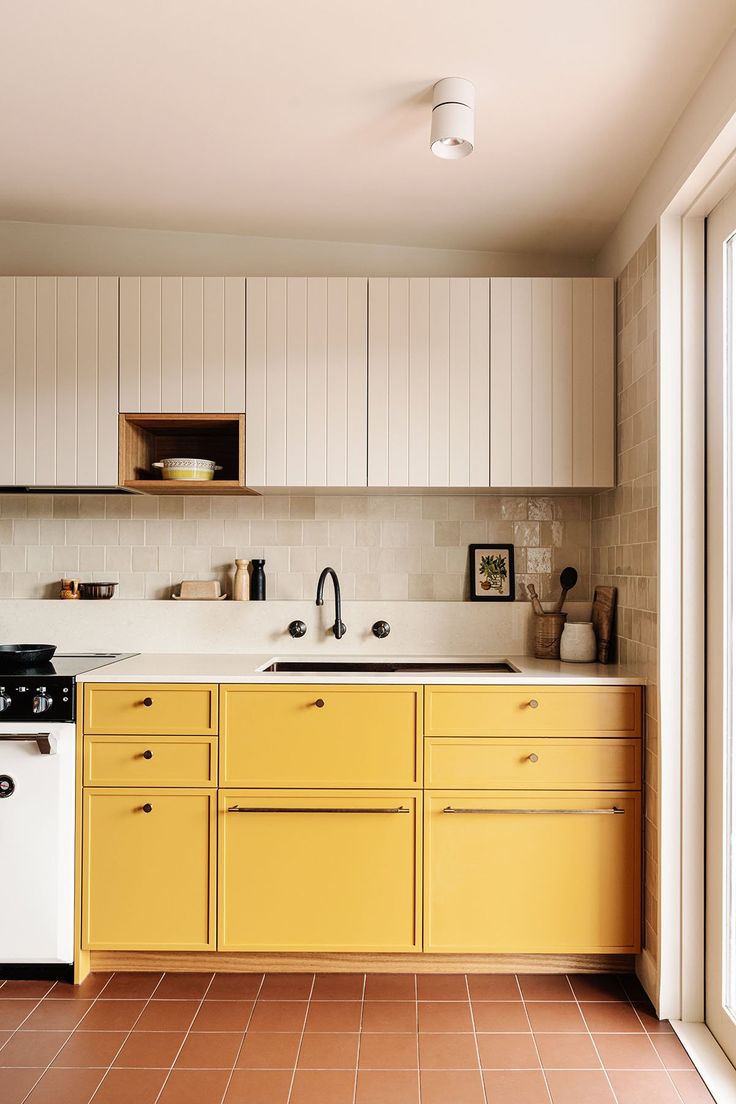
(338, 987)
(438, 987)
(643, 1087)
(266, 1050)
(323, 1087)
(4, 1036)
(16, 1084)
(458, 1086)
(556, 1016)
(323, 1050)
(445, 1016)
(448, 1052)
(90, 1048)
(150, 1049)
(183, 986)
(112, 1015)
(597, 987)
(610, 1017)
(492, 987)
(276, 1015)
(500, 1016)
(26, 990)
(57, 1015)
(209, 1050)
(387, 1087)
(195, 1087)
(170, 1015)
(691, 1087)
(91, 987)
(389, 1016)
(627, 1052)
(398, 987)
(632, 987)
(502, 1051)
(14, 1012)
(670, 1050)
(286, 986)
(579, 1087)
(567, 1051)
(652, 1025)
(72, 1086)
(337, 1015)
(257, 1087)
(135, 986)
(218, 1015)
(545, 987)
(32, 1048)
(388, 1052)
(515, 1087)
(235, 987)
(130, 1086)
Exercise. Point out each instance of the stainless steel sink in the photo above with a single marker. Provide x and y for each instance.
(398, 667)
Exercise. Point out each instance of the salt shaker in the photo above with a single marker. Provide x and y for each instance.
(241, 582)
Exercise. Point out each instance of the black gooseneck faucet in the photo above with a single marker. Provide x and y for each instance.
(338, 628)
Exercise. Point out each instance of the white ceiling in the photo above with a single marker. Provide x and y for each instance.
(310, 118)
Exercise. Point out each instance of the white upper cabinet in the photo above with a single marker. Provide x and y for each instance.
(182, 344)
(307, 386)
(59, 381)
(552, 401)
(428, 383)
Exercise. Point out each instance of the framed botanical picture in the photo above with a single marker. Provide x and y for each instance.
(492, 573)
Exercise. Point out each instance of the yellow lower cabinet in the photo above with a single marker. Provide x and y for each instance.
(148, 869)
(319, 870)
(532, 873)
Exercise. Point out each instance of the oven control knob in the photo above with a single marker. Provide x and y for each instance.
(7, 785)
(42, 702)
(5, 702)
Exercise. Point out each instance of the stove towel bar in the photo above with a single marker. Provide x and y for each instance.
(44, 740)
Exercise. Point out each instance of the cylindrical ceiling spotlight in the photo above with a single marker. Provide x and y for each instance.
(453, 110)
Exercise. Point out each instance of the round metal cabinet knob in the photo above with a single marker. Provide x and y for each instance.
(320, 703)
(148, 701)
(381, 629)
(147, 754)
(148, 808)
(297, 629)
(534, 704)
(533, 758)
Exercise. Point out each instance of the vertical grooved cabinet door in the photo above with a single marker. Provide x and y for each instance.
(552, 411)
(428, 382)
(182, 344)
(306, 396)
(59, 380)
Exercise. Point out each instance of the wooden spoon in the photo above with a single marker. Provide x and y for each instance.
(536, 604)
(568, 579)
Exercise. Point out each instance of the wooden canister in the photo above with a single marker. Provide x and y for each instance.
(547, 632)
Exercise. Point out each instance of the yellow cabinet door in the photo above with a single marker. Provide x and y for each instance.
(532, 711)
(150, 761)
(321, 736)
(319, 871)
(530, 873)
(166, 709)
(148, 869)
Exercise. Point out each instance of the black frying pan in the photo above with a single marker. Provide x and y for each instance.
(18, 657)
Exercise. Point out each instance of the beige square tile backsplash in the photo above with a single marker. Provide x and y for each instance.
(395, 547)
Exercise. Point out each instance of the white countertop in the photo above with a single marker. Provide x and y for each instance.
(235, 668)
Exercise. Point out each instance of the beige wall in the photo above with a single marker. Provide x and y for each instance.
(624, 528)
(392, 547)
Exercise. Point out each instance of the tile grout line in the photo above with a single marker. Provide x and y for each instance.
(127, 1034)
(534, 1038)
(360, 1036)
(475, 1040)
(416, 1021)
(243, 1037)
(301, 1039)
(186, 1033)
(667, 1071)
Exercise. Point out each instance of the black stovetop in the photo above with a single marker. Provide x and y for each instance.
(54, 683)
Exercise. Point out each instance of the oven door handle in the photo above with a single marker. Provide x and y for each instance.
(44, 740)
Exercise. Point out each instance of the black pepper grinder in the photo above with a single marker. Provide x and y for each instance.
(257, 581)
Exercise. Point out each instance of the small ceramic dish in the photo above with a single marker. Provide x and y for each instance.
(96, 590)
(181, 467)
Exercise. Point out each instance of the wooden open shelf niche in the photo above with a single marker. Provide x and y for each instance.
(145, 438)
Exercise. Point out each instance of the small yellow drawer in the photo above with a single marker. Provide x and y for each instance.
(532, 711)
(166, 709)
(527, 763)
(150, 761)
(341, 736)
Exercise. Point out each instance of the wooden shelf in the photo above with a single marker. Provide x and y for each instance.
(146, 438)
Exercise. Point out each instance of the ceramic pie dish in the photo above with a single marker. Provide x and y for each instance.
(181, 467)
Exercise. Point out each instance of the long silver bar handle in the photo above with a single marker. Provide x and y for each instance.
(45, 741)
(313, 809)
(540, 812)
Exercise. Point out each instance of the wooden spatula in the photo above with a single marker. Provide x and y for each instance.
(536, 604)
(568, 579)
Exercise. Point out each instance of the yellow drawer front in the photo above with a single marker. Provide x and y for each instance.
(319, 871)
(344, 736)
(150, 761)
(549, 762)
(148, 877)
(526, 873)
(119, 709)
(533, 711)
